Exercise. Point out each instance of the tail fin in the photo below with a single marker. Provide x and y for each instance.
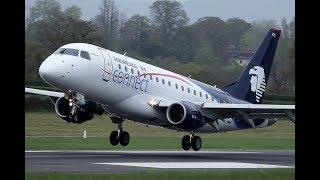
(252, 82)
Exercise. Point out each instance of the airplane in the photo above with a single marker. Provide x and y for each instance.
(93, 80)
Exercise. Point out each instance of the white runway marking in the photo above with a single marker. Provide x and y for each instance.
(69, 156)
(195, 165)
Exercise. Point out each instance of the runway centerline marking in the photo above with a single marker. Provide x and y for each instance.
(195, 165)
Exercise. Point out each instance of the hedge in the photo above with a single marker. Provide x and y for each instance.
(34, 103)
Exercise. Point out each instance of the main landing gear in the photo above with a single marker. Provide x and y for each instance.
(191, 141)
(119, 136)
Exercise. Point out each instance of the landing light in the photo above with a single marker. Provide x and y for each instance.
(153, 103)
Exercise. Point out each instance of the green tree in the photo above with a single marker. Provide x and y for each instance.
(285, 29)
(257, 32)
(183, 45)
(205, 55)
(168, 16)
(47, 10)
(34, 55)
(138, 36)
(236, 28)
(135, 27)
(73, 12)
(292, 29)
(212, 31)
(108, 22)
(53, 29)
(233, 70)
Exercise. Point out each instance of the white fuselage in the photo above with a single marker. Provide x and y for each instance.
(123, 85)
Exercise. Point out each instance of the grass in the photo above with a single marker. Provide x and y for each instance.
(45, 130)
(73, 143)
(264, 174)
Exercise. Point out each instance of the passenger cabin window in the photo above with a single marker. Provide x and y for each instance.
(68, 51)
(119, 66)
(163, 81)
(169, 83)
(182, 88)
(85, 55)
(206, 96)
(194, 92)
(200, 94)
(157, 79)
(212, 98)
(188, 90)
(176, 86)
(125, 68)
(150, 77)
(132, 72)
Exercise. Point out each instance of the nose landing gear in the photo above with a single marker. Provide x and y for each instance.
(191, 141)
(119, 136)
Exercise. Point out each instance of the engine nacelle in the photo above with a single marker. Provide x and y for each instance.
(62, 107)
(64, 111)
(185, 115)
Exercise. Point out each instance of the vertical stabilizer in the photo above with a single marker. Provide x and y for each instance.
(252, 82)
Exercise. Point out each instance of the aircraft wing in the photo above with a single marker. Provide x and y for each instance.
(247, 111)
(44, 92)
(251, 110)
(272, 108)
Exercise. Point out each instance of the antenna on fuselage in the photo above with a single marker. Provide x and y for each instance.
(124, 53)
(190, 76)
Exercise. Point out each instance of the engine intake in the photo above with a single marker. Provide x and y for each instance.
(185, 116)
(62, 107)
(72, 113)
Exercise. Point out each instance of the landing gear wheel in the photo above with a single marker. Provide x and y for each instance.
(196, 143)
(185, 142)
(114, 139)
(124, 138)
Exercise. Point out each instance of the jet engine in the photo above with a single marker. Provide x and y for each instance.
(71, 112)
(185, 115)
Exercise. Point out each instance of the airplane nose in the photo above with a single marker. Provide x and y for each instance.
(48, 71)
(44, 71)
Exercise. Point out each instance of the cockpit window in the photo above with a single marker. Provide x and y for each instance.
(85, 54)
(60, 51)
(68, 51)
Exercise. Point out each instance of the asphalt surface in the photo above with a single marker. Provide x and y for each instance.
(91, 161)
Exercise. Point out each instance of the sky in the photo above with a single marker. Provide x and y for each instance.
(248, 10)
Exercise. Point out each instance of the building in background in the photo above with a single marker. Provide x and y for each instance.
(240, 57)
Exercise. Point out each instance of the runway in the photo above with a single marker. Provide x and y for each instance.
(96, 161)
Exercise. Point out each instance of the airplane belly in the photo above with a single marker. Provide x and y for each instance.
(136, 108)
